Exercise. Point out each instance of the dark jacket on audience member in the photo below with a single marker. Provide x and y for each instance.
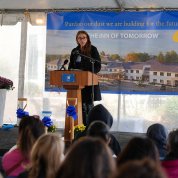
(158, 133)
(100, 113)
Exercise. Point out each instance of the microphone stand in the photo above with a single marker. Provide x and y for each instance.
(92, 60)
(62, 68)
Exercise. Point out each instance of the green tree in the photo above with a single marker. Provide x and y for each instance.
(171, 56)
(115, 57)
(142, 57)
(170, 110)
(161, 57)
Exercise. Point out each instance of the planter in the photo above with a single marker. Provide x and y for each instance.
(2, 104)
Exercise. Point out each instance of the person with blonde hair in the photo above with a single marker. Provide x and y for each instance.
(46, 157)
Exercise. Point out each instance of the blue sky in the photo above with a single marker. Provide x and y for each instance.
(114, 41)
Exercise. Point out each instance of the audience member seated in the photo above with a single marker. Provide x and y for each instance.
(138, 148)
(100, 113)
(30, 129)
(87, 158)
(170, 163)
(99, 129)
(46, 157)
(158, 133)
(145, 168)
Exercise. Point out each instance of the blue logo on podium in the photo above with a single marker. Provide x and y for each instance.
(68, 78)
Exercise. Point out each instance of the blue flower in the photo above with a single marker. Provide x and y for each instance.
(21, 113)
(47, 121)
(71, 111)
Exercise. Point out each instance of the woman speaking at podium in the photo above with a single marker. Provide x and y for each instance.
(80, 58)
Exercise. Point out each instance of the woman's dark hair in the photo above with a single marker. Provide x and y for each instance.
(30, 129)
(88, 157)
(99, 129)
(86, 50)
(146, 168)
(173, 143)
(137, 149)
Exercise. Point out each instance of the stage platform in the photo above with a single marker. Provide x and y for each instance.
(8, 138)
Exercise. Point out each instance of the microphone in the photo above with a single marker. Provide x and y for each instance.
(65, 62)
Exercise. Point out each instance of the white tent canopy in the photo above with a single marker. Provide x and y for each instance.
(15, 11)
(86, 4)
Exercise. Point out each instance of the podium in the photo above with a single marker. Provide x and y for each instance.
(73, 81)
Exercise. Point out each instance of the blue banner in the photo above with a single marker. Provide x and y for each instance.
(138, 50)
(159, 20)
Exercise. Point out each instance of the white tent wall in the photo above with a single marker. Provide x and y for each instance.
(24, 45)
(9, 60)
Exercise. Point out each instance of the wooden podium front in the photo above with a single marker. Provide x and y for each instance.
(73, 82)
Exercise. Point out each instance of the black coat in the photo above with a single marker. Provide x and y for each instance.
(113, 144)
(158, 133)
(100, 113)
(86, 65)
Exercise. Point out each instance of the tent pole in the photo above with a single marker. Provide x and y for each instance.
(23, 46)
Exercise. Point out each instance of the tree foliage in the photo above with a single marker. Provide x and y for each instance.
(161, 57)
(115, 57)
(137, 57)
(169, 57)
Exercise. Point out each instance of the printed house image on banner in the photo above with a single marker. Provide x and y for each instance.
(151, 74)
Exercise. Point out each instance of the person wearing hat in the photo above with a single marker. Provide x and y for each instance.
(100, 113)
(158, 134)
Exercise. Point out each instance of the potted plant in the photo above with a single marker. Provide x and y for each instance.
(6, 83)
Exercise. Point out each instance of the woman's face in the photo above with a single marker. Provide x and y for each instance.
(82, 39)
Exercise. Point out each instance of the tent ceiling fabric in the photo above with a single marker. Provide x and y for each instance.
(86, 4)
(149, 4)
